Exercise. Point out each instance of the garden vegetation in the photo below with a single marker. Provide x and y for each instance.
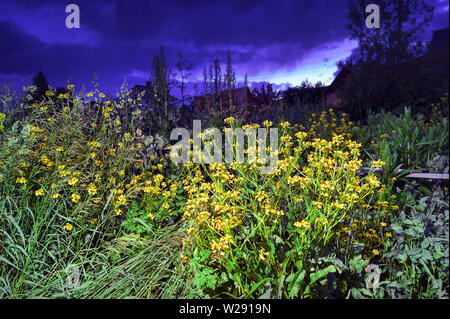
(91, 207)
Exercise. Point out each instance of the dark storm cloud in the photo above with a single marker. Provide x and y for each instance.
(223, 22)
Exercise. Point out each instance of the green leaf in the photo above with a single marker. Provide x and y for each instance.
(295, 282)
(255, 286)
(401, 256)
(414, 252)
(425, 190)
(425, 243)
(356, 293)
(321, 273)
(426, 255)
(397, 228)
(358, 263)
(267, 294)
(438, 255)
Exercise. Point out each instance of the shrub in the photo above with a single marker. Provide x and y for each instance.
(251, 233)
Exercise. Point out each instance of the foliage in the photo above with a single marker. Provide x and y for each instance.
(82, 187)
(406, 141)
(256, 232)
(400, 34)
(392, 67)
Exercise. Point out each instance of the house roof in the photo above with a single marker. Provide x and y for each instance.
(439, 45)
(338, 80)
(439, 41)
(138, 89)
(239, 96)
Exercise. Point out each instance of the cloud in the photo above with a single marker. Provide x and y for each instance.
(269, 40)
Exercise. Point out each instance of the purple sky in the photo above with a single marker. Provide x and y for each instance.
(278, 41)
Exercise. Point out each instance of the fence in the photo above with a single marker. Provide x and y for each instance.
(436, 176)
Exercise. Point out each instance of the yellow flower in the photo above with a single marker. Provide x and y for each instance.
(21, 180)
(68, 227)
(121, 200)
(375, 252)
(267, 123)
(263, 254)
(285, 124)
(388, 234)
(302, 224)
(93, 221)
(39, 192)
(92, 189)
(301, 135)
(118, 212)
(383, 224)
(73, 181)
(377, 164)
(76, 198)
(55, 196)
(229, 120)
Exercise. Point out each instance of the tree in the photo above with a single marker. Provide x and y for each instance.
(183, 67)
(205, 81)
(266, 94)
(245, 86)
(41, 84)
(230, 79)
(218, 82)
(400, 36)
(161, 86)
(385, 72)
(305, 94)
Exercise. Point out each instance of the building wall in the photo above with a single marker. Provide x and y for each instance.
(332, 99)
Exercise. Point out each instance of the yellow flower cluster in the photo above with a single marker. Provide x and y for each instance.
(302, 224)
